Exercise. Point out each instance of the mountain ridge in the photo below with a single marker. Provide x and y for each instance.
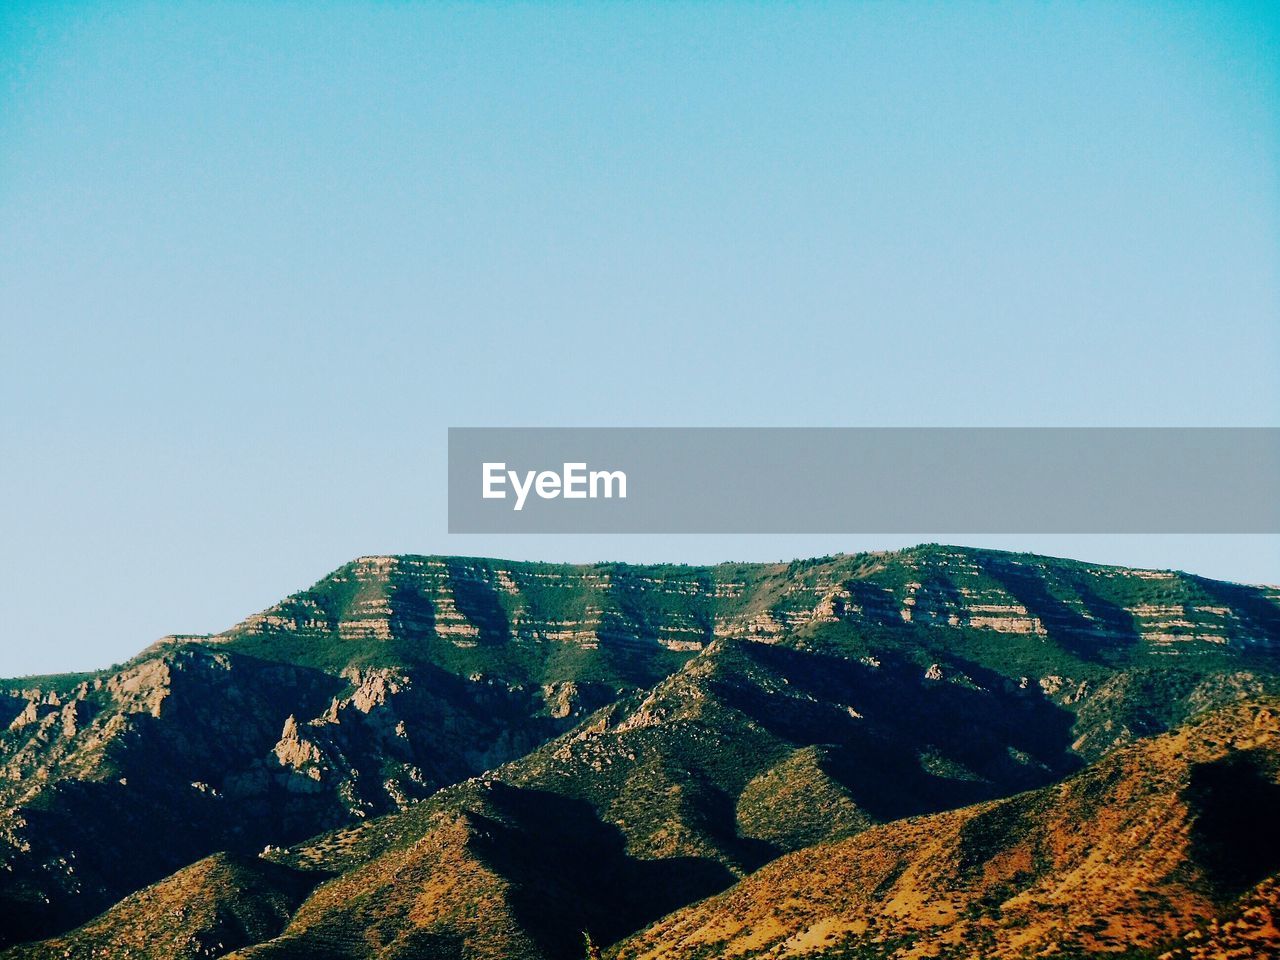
(613, 691)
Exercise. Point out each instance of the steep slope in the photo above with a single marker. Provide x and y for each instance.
(758, 748)
(123, 779)
(1128, 854)
(1152, 841)
(751, 750)
(107, 787)
(484, 870)
(821, 697)
(206, 910)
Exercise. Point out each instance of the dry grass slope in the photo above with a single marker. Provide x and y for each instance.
(206, 910)
(1125, 856)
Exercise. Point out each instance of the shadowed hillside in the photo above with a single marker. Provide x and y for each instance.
(217, 905)
(1137, 851)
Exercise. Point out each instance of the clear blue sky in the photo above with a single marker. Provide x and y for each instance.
(255, 258)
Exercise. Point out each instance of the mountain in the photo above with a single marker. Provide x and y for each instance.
(1135, 852)
(547, 749)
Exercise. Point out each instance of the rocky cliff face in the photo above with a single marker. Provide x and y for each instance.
(122, 779)
(468, 605)
(714, 716)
